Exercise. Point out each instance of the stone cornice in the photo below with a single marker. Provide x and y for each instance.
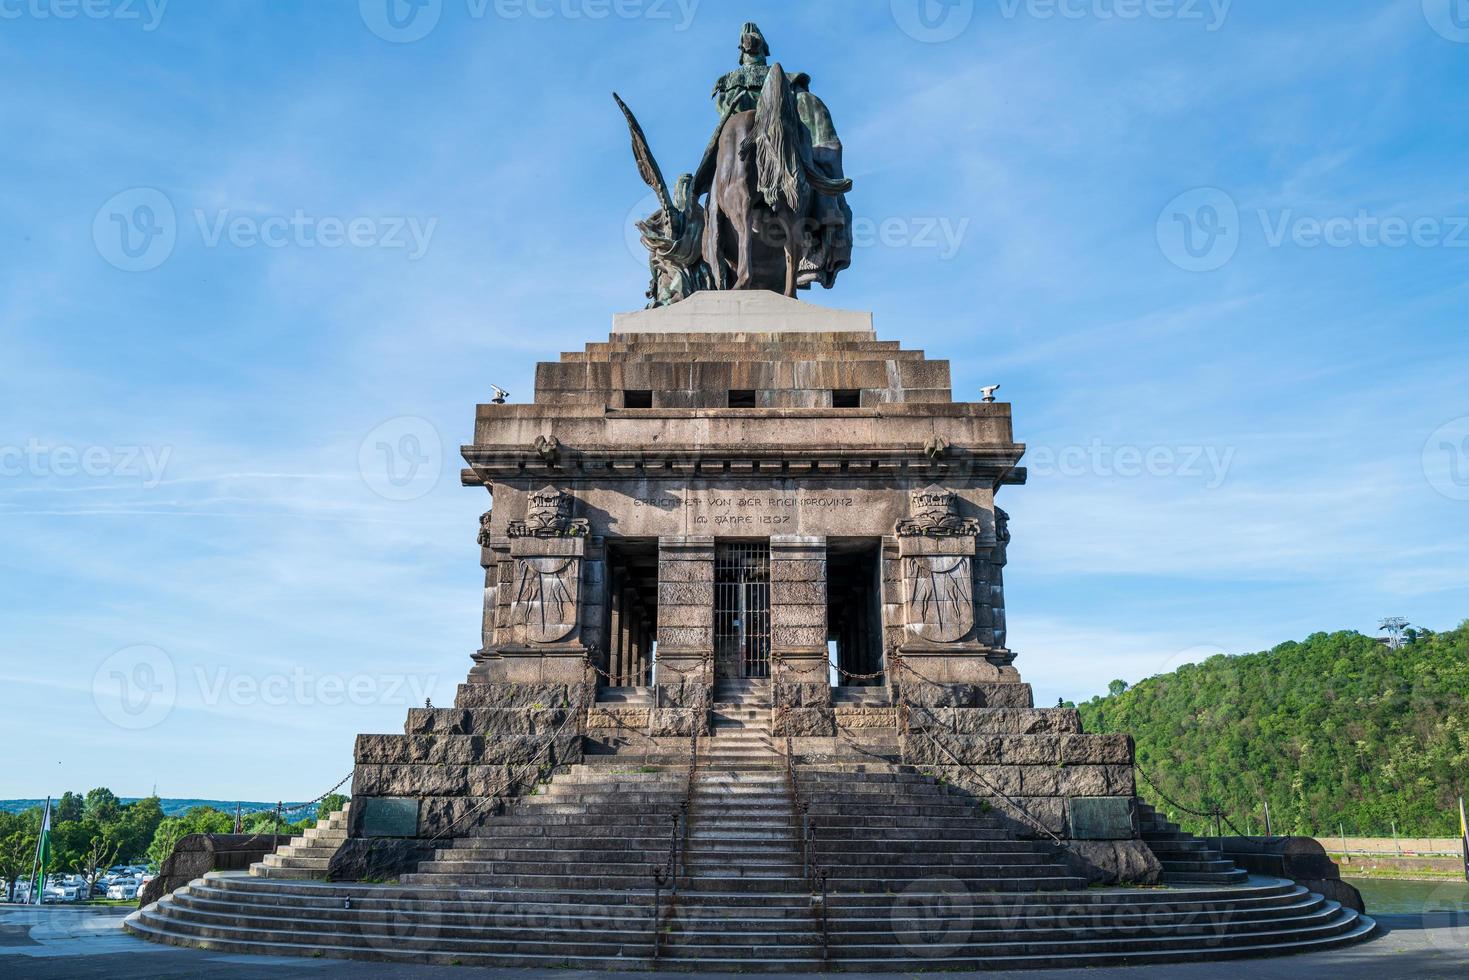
(489, 464)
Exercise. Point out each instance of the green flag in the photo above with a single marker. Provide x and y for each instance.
(43, 858)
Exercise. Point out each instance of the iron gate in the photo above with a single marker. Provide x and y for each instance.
(742, 608)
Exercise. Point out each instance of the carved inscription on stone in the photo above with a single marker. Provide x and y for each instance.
(940, 597)
(546, 591)
(739, 509)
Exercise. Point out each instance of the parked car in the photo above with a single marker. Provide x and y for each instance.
(123, 891)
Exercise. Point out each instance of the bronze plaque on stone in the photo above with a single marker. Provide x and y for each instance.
(1101, 818)
(384, 817)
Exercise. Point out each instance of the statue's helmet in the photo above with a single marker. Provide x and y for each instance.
(752, 42)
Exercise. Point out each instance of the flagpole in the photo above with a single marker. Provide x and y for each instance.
(1464, 837)
(35, 862)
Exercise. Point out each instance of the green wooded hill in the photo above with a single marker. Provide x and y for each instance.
(1334, 730)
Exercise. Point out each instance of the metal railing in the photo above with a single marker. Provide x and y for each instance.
(816, 876)
(677, 865)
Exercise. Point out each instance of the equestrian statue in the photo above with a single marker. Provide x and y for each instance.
(766, 209)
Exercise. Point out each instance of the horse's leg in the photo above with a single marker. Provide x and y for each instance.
(792, 256)
(745, 239)
(712, 243)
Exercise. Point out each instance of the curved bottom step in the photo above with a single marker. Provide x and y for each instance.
(238, 914)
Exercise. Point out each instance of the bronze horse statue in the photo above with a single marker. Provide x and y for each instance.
(760, 199)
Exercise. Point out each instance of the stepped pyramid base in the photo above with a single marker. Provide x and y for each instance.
(920, 876)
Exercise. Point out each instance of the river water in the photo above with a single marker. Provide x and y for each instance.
(1385, 896)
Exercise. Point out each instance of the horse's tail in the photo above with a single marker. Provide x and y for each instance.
(780, 172)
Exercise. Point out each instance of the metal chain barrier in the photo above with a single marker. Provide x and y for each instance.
(535, 764)
(1215, 812)
(902, 666)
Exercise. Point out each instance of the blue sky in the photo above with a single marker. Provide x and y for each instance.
(1216, 255)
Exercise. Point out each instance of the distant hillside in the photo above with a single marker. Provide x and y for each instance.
(171, 807)
(1334, 730)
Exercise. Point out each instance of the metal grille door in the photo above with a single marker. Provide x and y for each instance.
(742, 609)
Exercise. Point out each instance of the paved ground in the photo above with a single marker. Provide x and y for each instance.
(88, 944)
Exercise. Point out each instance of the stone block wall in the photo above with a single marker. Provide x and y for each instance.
(461, 763)
(1028, 763)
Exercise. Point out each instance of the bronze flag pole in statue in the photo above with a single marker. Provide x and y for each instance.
(774, 214)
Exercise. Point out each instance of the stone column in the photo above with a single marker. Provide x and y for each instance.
(615, 634)
(498, 565)
(629, 635)
(685, 607)
(798, 607)
(594, 604)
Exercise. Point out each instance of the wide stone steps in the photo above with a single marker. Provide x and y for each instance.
(565, 880)
(1186, 859)
(879, 932)
(310, 855)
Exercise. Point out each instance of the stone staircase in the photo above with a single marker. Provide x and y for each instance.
(920, 878)
(626, 697)
(310, 855)
(860, 697)
(745, 903)
(1186, 859)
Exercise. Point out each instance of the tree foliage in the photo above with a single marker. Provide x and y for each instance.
(1334, 731)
